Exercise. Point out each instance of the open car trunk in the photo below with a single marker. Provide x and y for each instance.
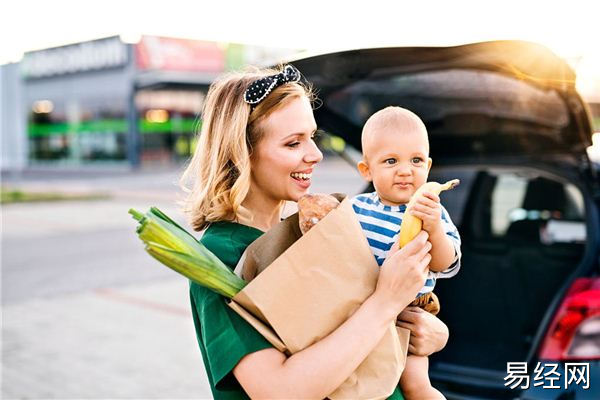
(523, 236)
(504, 118)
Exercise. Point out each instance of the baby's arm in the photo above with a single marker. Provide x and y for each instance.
(442, 251)
(429, 210)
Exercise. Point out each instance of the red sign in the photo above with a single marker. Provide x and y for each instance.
(169, 54)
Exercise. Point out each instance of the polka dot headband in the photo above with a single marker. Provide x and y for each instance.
(260, 88)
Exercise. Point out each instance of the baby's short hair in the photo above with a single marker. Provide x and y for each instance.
(392, 117)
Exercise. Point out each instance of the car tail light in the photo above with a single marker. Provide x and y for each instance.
(574, 333)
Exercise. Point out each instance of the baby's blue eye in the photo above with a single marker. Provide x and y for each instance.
(417, 160)
(390, 161)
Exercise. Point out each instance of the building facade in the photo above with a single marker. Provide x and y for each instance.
(106, 102)
(13, 145)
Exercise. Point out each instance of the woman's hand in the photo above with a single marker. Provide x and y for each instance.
(403, 274)
(428, 334)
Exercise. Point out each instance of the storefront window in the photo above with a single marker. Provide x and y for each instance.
(77, 132)
(168, 120)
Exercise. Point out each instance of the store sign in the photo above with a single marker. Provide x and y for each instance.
(172, 100)
(81, 57)
(170, 54)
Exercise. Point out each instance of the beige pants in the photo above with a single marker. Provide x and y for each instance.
(428, 302)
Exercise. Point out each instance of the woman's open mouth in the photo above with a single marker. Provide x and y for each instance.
(302, 179)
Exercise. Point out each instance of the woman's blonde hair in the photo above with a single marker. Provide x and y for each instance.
(217, 178)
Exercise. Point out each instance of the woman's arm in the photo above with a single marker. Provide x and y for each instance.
(428, 334)
(318, 370)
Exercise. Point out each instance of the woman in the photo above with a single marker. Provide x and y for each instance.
(255, 152)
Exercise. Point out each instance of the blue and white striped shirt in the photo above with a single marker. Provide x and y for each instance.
(381, 225)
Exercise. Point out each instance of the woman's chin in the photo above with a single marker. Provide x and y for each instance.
(295, 195)
(300, 188)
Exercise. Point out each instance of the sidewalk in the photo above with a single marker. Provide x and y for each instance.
(86, 314)
(133, 342)
(159, 184)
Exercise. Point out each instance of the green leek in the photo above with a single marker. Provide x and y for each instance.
(176, 248)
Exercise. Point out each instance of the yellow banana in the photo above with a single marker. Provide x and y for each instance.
(411, 225)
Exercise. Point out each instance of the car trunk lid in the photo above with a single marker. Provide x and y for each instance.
(500, 98)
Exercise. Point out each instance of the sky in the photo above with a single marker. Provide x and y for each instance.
(569, 28)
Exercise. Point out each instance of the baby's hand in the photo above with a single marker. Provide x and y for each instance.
(427, 207)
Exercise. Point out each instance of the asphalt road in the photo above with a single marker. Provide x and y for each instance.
(53, 248)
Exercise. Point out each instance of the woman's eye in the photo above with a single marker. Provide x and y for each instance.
(295, 144)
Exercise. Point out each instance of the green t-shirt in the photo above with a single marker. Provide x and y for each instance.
(224, 337)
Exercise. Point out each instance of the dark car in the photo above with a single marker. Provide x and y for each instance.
(504, 117)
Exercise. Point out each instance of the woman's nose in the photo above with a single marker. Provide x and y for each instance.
(313, 155)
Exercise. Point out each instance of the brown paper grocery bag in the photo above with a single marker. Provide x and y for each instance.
(313, 283)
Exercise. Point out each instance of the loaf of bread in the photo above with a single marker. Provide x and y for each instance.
(313, 207)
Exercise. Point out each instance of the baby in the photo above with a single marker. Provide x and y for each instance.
(396, 159)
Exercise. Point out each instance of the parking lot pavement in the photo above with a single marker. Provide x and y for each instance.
(86, 313)
(129, 342)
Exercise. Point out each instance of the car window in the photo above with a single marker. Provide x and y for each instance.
(536, 208)
(507, 198)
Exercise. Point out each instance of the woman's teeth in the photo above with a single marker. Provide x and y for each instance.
(304, 177)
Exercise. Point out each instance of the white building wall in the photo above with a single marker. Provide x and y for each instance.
(13, 144)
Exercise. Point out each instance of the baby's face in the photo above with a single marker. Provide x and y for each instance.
(398, 163)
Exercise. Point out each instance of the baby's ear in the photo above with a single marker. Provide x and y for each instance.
(363, 168)
(429, 162)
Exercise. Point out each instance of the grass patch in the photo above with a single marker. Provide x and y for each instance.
(18, 196)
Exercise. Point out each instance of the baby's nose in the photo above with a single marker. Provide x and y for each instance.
(403, 169)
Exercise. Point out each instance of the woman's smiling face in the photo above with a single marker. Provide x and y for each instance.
(284, 158)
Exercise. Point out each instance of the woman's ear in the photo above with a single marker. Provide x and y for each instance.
(363, 168)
